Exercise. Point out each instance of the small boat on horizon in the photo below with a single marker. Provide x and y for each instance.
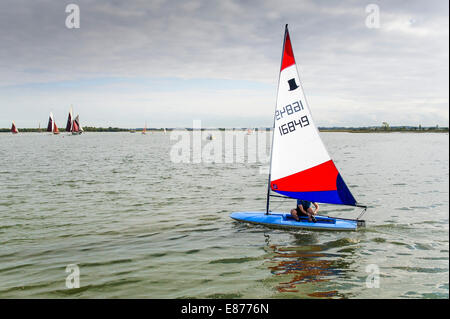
(69, 121)
(51, 126)
(76, 127)
(145, 129)
(14, 129)
(73, 124)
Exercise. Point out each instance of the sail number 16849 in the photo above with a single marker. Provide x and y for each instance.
(292, 125)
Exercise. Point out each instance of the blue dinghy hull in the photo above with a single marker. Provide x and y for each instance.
(284, 220)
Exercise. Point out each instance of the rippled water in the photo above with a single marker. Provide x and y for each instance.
(140, 226)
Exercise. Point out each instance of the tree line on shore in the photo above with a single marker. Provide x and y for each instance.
(367, 129)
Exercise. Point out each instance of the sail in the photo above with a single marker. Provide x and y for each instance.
(55, 128)
(14, 129)
(301, 166)
(69, 121)
(80, 128)
(50, 123)
(75, 126)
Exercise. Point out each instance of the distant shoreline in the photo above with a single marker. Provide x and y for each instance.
(402, 129)
(423, 130)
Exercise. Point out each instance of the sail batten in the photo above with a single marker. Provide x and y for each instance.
(301, 166)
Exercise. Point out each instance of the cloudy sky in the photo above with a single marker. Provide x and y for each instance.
(170, 62)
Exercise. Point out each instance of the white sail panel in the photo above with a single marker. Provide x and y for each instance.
(297, 145)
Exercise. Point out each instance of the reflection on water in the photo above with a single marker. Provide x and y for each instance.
(303, 267)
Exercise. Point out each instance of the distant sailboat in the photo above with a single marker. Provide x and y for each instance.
(69, 121)
(165, 132)
(145, 129)
(55, 128)
(51, 126)
(14, 129)
(76, 127)
(73, 124)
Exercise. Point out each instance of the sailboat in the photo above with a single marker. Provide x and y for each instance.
(14, 129)
(51, 126)
(293, 175)
(145, 129)
(69, 121)
(76, 127)
(73, 124)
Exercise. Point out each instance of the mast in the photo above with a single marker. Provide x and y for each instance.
(273, 126)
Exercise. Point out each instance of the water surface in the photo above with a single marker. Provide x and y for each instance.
(140, 226)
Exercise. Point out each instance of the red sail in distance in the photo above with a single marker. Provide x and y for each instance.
(75, 127)
(14, 128)
(55, 129)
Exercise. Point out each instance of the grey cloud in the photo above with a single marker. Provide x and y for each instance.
(341, 61)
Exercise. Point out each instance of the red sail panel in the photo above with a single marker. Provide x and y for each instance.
(13, 128)
(288, 54)
(75, 127)
(318, 178)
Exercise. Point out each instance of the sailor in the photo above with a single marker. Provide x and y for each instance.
(304, 209)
